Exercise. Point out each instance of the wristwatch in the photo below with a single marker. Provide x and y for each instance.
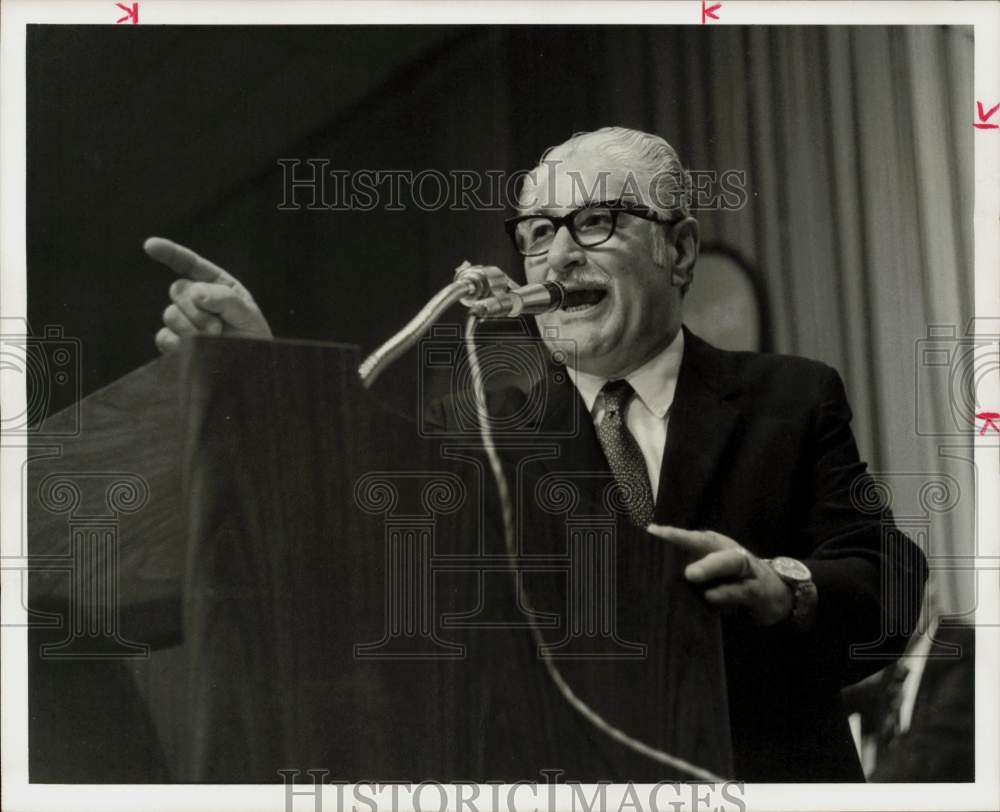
(804, 596)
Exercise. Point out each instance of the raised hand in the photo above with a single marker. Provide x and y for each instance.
(205, 300)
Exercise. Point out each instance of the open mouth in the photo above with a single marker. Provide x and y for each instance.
(583, 298)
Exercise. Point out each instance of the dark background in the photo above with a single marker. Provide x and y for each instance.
(177, 132)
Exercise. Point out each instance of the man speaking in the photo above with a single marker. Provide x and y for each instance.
(742, 465)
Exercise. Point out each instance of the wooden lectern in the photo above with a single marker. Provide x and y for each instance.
(244, 563)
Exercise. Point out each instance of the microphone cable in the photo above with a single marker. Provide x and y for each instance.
(507, 513)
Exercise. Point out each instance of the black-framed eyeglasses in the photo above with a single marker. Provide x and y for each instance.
(589, 226)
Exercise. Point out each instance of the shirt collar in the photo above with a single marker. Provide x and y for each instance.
(654, 382)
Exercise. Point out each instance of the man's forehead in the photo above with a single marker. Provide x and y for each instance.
(559, 186)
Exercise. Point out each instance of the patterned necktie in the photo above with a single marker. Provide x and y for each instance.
(623, 453)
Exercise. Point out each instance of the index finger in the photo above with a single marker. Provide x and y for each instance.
(701, 542)
(183, 261)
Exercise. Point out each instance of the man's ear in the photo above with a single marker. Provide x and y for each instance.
(683, 243)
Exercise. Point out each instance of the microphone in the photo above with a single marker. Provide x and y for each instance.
(494, 295)
(527, 300)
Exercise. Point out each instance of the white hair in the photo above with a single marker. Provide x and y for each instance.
(662, 181)
(652, 168)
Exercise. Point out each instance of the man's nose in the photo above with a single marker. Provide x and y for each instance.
(564, 253)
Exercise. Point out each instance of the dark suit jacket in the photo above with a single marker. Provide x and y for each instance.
(759, 448)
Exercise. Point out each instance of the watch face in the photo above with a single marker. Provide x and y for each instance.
(791, 569)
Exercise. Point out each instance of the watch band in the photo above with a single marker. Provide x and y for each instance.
(804, 610)
(804, 594)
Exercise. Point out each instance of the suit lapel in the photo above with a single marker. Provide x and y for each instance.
(567, 423)
(702, 420)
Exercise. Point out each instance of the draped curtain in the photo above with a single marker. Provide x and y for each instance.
(859, 156)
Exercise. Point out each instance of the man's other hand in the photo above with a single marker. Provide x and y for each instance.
(206, 300)
(732, 576)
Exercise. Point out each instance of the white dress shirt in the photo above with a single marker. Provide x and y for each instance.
(647, 413)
